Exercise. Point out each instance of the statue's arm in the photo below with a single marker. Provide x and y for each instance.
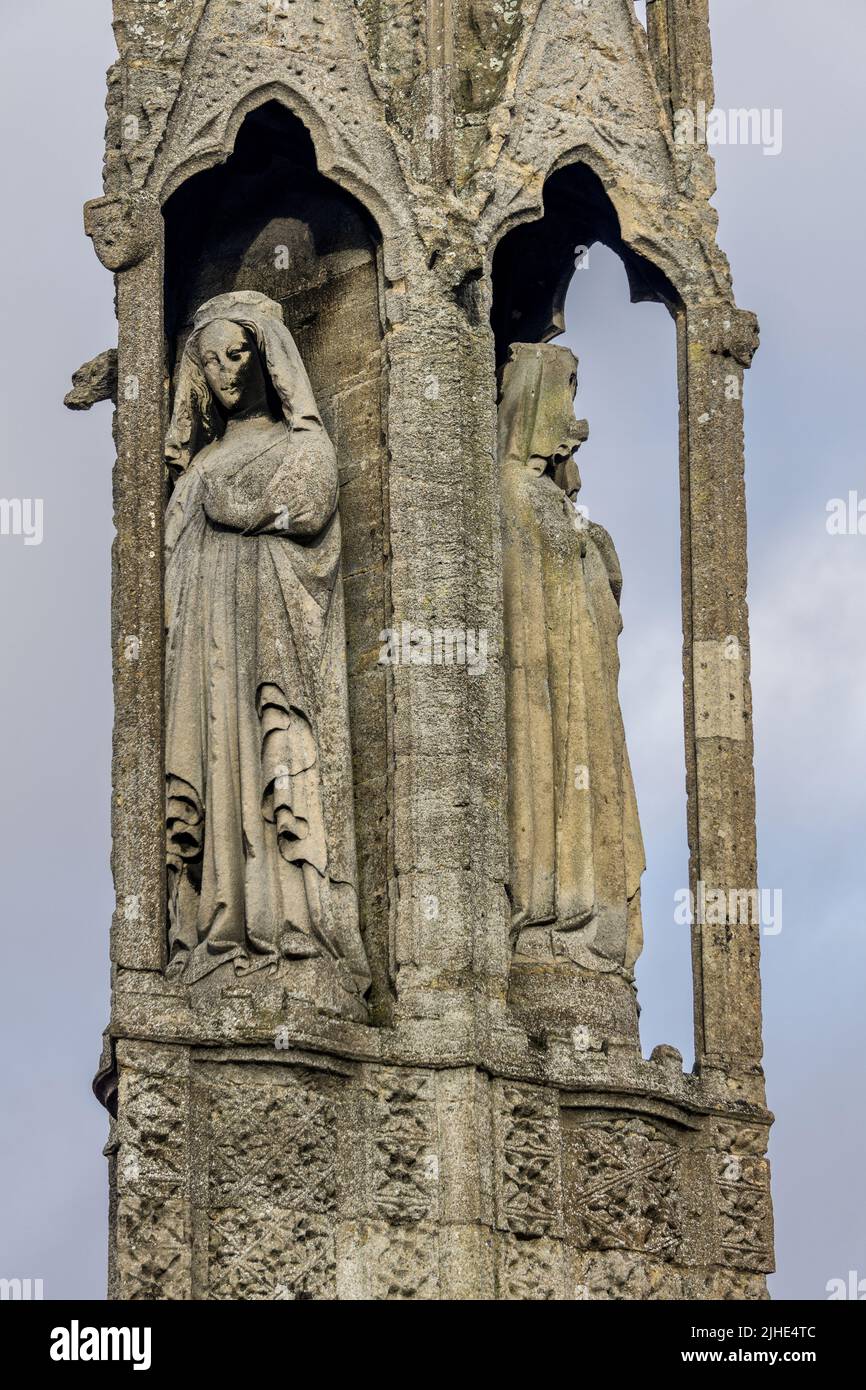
(607, 551)
(301, 497)
(183, 509)
(291, 492)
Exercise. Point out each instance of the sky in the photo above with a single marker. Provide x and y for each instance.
(791, 225)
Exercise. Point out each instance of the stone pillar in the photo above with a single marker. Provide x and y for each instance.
(679, 40)
(127, 234)
(450, 858)
(716, 345)
(439, 124)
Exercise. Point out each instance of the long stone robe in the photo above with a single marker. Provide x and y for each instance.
(576, 847)
(260, 826)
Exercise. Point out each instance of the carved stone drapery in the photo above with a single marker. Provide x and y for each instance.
(260, 827)
(576, 848)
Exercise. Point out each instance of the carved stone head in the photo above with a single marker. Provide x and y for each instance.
(537, 425)
(238, 354)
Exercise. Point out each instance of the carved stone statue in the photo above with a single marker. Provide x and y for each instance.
(576, 849)
(260, 828)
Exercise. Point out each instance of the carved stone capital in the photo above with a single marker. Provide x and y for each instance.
(728, 332)
(123, 229)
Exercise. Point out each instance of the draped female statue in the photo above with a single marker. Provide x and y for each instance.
(576, 848)
(260, 828)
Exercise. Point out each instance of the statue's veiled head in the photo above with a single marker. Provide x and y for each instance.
(232, 366)
(239, 358)
(537, 425)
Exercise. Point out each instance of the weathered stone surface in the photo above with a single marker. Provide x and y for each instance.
(275, 1175)
(409, 185)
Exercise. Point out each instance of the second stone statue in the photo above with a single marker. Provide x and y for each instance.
(260, 828)
(576, 850)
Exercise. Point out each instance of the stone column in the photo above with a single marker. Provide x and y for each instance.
(679, 40)
(439, 131)
(450, 858)
(716, 345)
(127, 233)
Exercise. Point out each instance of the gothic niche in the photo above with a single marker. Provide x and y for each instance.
(276, 591)
(576, 851)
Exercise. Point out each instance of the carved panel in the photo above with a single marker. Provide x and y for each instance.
(619, 1275)
(528, 1269)
(152, 1242)
(528, 1188)
(402, 1140)
(272, 1187)
(275, 1143)
(152, 1128)
(402, 1262)
(622, 1185)
(264, 1252)
(742, 1184)
(153, 1235)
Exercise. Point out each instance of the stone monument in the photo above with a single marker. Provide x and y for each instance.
(377, 853)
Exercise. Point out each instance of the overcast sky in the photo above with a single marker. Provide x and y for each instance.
(792, 226)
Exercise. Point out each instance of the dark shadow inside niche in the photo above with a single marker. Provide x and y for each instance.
(534, 263)
(629, 468)
(268, 220)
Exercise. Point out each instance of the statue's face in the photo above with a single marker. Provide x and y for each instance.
(231, 365)
(567, 429)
